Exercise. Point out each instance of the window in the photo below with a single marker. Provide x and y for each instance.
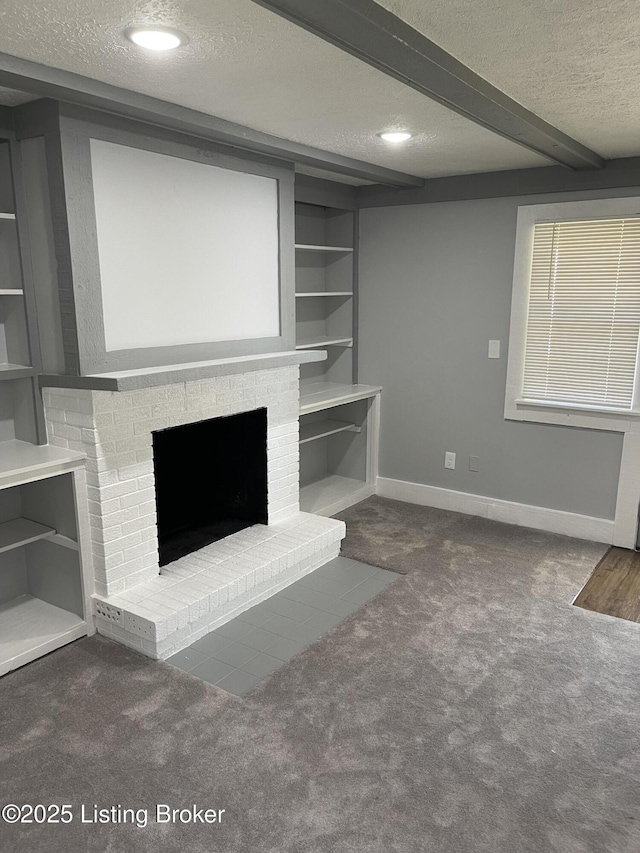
(584, 312)
(575, 325)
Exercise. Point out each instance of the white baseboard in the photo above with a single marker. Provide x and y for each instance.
(538, 517)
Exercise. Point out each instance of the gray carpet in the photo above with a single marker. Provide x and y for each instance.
(469, 708)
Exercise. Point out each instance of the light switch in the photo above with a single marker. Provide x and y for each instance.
(494, 349)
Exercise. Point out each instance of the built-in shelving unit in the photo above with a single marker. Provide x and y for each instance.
(20, 407)
(44, 583)
(338, 417)
(325, 265)
(338, 445)
(44, 588)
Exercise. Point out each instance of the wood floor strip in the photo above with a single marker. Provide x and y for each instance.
(614, 586)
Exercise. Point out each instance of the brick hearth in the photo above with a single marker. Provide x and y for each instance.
(159, 611)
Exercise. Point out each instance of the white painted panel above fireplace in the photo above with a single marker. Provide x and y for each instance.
(188, 251)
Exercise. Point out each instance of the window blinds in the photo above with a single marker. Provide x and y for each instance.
(584, 312)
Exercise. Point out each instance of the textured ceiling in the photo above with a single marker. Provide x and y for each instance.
(250, 66)
(572, 62)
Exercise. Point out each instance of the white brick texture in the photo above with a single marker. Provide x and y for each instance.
(115, 430)
(161, 612)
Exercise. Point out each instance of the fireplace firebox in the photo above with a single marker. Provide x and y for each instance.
(210, 481)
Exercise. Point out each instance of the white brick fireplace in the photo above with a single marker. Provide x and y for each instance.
(160, 611)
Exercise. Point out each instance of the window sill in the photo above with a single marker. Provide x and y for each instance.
(568, 414)
(578, 407)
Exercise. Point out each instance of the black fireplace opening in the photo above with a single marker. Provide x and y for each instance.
(210, 480)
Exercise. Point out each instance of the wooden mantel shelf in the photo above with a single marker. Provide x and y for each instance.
(150, 377)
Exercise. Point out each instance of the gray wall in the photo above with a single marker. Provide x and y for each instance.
(435, 286)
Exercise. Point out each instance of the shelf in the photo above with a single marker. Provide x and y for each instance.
(319, 293)
(169, 374)
(10, 216)
(30, 628)
(333, 494)
(8, 291)
(319, 396)
(321, 429)
(15, 371)
(21, 462)
(22, 531)
(310, 247)
(325, 341)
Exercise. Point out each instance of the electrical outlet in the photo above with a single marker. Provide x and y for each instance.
(494, 349)
(109, 612)
(474, 463)
(449, 459)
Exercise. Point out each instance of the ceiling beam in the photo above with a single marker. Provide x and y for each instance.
(37, 79)
(381, 39)
(621, 175)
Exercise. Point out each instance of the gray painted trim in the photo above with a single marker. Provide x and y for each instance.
(88, 333)
(24, 424)
(616, 174)
(62, 247)
(73, 88)
(85, 329)
(355, 302)
(132, 380)
(287, 237)
(378, 37)
(310, 190)
(6, 121)
(109, 121)
(42, 119)
(41, 436)
(35, 118)
(33, 333)
(25, 254)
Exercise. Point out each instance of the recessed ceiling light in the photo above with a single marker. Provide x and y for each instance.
(395, 136)
(156, 38)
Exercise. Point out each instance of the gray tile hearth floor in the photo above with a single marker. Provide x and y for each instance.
(244, 651)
